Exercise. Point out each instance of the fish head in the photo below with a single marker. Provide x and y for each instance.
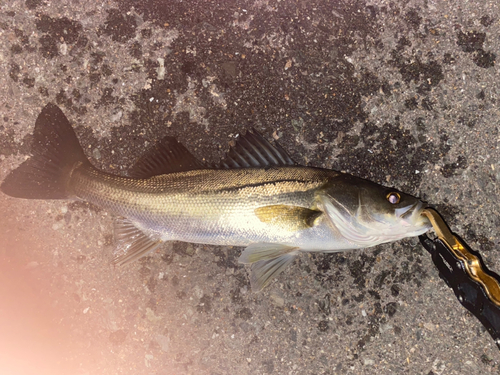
(391, 212)
(368, 214)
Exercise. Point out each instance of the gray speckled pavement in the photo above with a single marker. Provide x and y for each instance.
(401, 93)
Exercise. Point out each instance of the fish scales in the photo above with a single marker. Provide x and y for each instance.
(208, 206)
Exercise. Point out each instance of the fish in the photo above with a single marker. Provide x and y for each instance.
(257, 197)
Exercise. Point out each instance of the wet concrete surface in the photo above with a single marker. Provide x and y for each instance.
(401, 93)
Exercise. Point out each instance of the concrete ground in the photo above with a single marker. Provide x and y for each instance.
(401, 93)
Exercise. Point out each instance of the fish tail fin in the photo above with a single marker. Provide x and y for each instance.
(55, 153)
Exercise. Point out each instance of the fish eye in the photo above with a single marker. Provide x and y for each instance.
(393, 198)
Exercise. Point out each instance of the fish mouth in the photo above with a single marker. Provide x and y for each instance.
(413, 214)
(404, 212)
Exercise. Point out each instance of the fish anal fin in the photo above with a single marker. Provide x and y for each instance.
(254, 151)
(167, 156)
(288, 217)
(131, 242)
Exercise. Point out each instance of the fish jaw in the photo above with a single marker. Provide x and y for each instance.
(361, 230)
(413, 218)
(407, 222)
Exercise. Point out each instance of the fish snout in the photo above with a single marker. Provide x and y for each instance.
(412, 214)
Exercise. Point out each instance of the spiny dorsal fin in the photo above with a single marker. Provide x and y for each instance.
(167, 156)
(254, 151)
(131, 242)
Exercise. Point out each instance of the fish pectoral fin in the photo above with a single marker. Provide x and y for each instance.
(167, 156)
(132, 243)
(288, 217)
(267, 261)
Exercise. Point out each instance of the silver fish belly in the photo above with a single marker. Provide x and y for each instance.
(218, 207)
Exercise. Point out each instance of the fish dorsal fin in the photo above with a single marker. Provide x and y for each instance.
(131, 242)
(167, 156)
(254, 151)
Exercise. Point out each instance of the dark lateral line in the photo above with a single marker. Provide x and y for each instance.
(240, 187)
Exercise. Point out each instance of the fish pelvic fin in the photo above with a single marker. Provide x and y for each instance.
(267, 262)
(55, 153)
(131, 242)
